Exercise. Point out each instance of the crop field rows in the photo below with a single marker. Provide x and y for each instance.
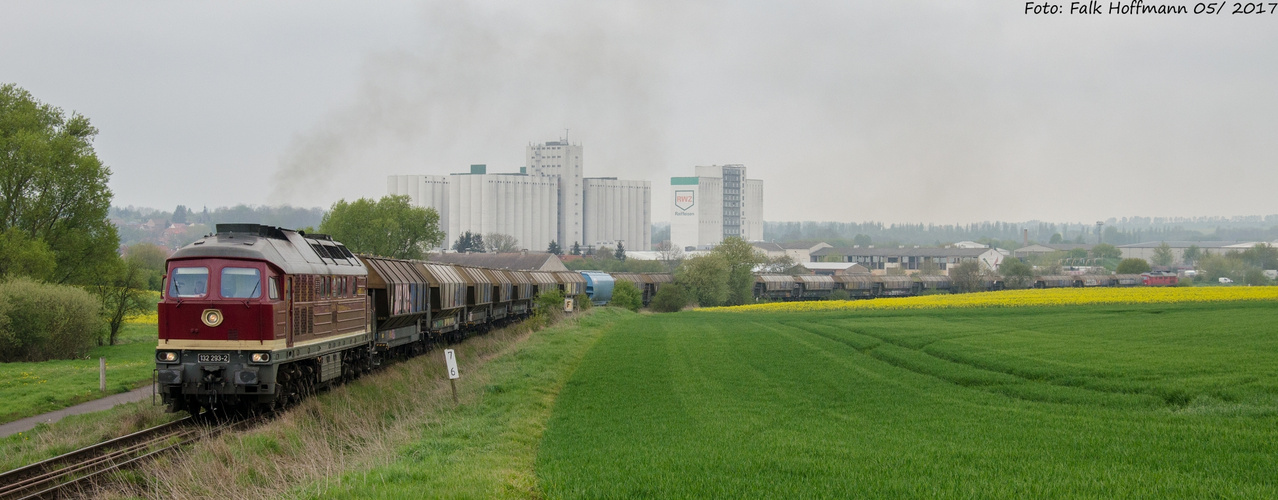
(1148, 400)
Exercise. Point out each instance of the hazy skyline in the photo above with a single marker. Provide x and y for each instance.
(944, 112)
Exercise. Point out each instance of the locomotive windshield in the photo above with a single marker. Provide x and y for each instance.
(241, 283)
(189, 282)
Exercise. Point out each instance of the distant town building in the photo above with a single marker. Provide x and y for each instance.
(798, 252)
(617, 211)
(719, 202)
(1045, 249)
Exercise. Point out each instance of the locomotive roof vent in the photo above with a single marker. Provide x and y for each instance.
(253, 229)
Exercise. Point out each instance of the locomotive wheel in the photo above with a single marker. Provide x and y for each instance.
(308, 381)
(286, 387)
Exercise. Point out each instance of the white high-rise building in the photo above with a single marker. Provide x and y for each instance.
(719, 202)
(562, 160)
(617, 210)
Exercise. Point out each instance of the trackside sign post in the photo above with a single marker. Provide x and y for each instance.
(451, 359)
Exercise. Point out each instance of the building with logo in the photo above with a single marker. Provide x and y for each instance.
(719, 202)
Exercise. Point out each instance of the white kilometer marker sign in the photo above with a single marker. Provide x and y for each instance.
(453, 374)
(451, 359)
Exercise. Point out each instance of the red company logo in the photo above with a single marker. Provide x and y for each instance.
(683, 199)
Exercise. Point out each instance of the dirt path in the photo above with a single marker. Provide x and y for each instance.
(108, 402)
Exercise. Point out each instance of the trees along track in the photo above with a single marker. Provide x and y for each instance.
(77, 470)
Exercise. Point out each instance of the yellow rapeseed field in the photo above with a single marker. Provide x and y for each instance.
(150, 318)
(1025, 298)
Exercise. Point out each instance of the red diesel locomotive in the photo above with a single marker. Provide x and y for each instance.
(255, 317)
(258, 316)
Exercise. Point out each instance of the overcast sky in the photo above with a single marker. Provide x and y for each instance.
(945, 111)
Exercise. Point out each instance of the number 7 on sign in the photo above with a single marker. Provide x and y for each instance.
(451, 359)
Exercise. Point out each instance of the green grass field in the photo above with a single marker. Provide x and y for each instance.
(1102, 401)
(28, 389)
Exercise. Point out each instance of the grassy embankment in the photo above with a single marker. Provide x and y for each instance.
(397, 433)
(1114, 401)
(28, 389)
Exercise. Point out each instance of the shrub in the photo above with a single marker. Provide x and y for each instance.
(626, 294)
(549, 304)
(1256, 277)
(1016, 273)
(40, 321)
(670, 298)
(1133, 266)
(582, 302)
(840, 294)
(704, 279)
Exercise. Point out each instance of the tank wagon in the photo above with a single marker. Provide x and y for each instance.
(598, 286)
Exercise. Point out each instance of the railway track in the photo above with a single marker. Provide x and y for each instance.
(76, 471)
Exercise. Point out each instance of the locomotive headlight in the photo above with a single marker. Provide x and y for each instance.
(166, 356)
(211, 317)
(261, 357)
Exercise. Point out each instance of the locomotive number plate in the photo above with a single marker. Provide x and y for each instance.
(215, 358)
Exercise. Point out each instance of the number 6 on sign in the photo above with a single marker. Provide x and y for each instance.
(451, 359)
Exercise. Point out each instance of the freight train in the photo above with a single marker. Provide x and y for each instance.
(865, 286)
(256, 317)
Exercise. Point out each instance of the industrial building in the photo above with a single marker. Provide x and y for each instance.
(617, 211)
(719, 202)
(587, 211)
(516, 204)
(1146, 250)
(426, 191)
(911, 260)
(519, 205)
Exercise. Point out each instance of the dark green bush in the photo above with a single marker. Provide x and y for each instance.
(582, 302)
(840, 294)
(40, 321)
(1133, 266)
(626, 294)
(670, 298)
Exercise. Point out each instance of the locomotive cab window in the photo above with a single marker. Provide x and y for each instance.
(275, 288)
(189, 282)
(241, 283)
